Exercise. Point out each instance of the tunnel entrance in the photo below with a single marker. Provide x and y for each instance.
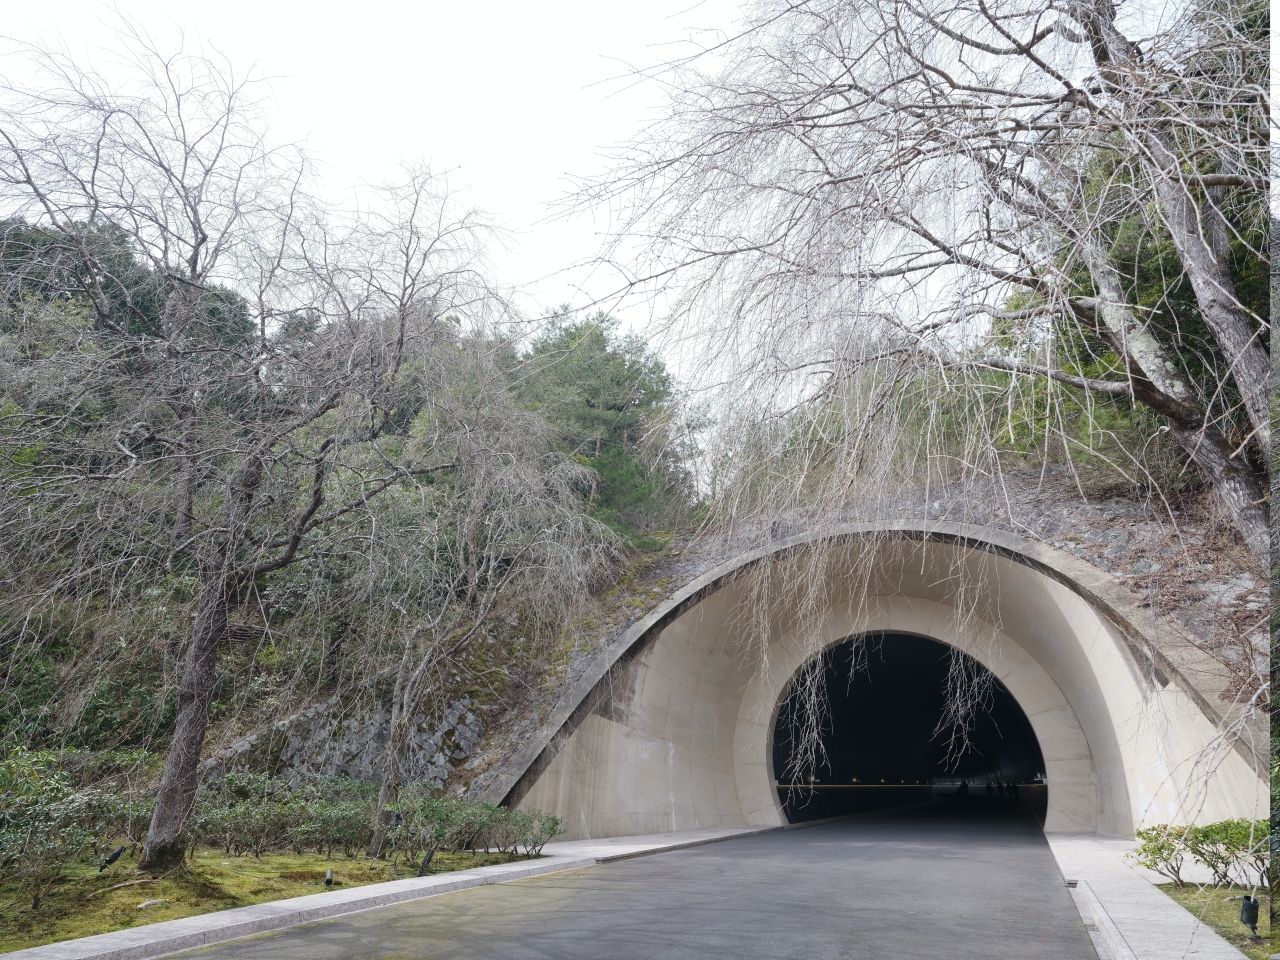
(879, 748)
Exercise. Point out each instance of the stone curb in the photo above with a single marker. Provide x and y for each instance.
(173, 936)
(1127, 915)
(1105, 934)
(686, 844)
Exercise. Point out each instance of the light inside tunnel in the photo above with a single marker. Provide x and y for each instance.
(879, 748)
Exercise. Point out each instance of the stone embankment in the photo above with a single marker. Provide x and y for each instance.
(346, 736)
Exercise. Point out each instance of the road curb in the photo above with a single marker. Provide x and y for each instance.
(632, 854)
(1104, 928)
(175, 936)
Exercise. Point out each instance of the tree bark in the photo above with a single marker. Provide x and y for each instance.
(219, 581)
(1236, 488)
(389, 792)
(1234, 483)
(1158, 384)
(1207, 268)
(166, 839)
(1210, 275)
(186, 476)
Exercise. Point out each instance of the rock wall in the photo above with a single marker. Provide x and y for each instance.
(347, 738)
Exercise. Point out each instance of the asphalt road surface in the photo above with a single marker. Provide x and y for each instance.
(953, 879)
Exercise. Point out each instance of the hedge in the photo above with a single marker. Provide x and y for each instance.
(47, 820)
(1233, 850)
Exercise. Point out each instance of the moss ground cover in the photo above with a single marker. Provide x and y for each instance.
(1219, 907)
(75, 907)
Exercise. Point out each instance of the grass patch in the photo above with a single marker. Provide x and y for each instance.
(213, 881)
(1219, 908)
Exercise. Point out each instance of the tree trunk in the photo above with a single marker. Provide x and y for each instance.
(1158, 384)
(595, 476)
(186, 478)
(389, 792)
(1237, 488)
(1234, 485)
(166, 839)
(1208, 269)
(1210, 275)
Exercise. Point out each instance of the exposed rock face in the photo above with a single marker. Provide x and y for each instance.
(345, 739)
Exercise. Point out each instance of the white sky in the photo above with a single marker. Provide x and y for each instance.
(510, 96)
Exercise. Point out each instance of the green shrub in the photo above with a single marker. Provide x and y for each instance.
(45, 823)
(453, 824)
(1231, 849)
(48, 821)
(347, 824)
(252, 813)
(508, 830)
(1160, 848)
(543, 827)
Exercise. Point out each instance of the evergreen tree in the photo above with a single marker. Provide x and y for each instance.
(609, 398)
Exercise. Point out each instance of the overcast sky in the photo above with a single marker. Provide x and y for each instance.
(510, 96)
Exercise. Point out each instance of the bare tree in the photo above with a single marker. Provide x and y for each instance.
(204, 373)
(865, 203)
(504, 539)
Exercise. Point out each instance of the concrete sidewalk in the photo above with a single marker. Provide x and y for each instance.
(1127, 916)
(171, 936)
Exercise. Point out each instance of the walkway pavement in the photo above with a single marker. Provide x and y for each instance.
(1129, 918)
(932, 882)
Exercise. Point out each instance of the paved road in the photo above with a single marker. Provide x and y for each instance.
(947, 880)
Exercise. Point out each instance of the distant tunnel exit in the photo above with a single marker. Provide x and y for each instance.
(879, 744)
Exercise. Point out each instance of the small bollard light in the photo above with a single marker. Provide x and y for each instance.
(1249, 914)
(112, 858)
(328, 877)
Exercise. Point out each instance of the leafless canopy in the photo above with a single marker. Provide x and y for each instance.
(908, 237)
(209, 375)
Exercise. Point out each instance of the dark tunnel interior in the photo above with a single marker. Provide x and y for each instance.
(880, 748)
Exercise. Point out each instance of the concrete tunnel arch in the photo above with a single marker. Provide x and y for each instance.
(670, 728)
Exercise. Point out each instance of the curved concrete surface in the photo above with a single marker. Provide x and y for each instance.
(889, 885)
(671, 730)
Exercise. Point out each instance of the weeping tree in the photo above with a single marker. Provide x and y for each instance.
(903, 238)
(205, 373)
(1274, 613)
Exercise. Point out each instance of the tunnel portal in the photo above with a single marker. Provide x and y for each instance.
(881, 745)
(672, 725)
